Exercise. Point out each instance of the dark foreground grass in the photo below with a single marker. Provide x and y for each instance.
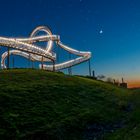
(36, 104)
(131, 131)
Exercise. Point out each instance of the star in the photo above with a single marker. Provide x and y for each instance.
(101, 32)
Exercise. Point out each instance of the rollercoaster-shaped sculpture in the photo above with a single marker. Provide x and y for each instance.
(27, 48)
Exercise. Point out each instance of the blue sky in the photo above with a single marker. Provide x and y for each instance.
(116, 50)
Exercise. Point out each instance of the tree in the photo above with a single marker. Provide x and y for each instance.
(101, 77)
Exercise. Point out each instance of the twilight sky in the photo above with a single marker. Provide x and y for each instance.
(110, 29)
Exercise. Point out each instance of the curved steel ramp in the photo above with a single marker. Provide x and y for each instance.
(25, 47)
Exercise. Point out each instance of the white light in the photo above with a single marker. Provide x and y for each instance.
(26, 45)
(101, 32)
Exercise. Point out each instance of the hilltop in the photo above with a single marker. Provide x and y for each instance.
(37, 104)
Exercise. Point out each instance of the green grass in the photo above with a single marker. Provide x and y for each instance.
(131, 131)
(35, 104)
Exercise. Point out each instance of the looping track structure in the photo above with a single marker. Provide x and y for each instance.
(27, 48)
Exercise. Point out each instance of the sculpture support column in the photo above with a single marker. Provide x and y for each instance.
(8, 58)
(89, 67)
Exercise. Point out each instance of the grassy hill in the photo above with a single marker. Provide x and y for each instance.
(131, 130)
(40, 105)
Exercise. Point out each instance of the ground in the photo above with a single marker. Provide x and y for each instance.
(40, 105)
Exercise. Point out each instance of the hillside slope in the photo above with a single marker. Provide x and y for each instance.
(131, 130)
(36, 104)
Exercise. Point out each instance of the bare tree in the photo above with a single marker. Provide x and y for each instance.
(110, 80)
(101, 77)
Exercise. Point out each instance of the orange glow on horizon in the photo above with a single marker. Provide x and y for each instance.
(134, 84)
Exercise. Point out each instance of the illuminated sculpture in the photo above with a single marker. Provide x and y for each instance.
(25, 47)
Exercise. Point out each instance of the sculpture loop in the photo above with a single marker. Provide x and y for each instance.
(25, 47)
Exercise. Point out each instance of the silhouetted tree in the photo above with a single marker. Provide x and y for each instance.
(110, 80)
(101, 77)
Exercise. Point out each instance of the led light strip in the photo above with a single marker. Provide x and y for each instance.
(24, 47)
